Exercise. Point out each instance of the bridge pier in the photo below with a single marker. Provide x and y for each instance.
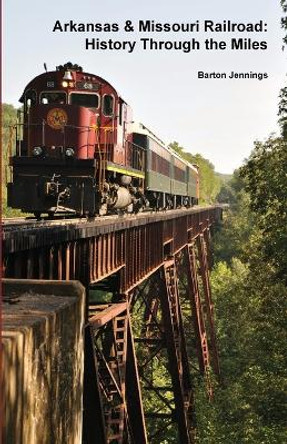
(42, 361)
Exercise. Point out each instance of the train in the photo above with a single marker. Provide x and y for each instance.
(78, 151)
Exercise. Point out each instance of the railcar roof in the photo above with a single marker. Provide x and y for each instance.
(140, 128)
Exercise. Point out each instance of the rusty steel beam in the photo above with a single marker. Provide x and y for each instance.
(91, 252)
(106, 315)
(151, 350)
(133, 393)
(116, 362)
(26, 235)
(163, 341)
(94, 429)
(134, 259)
(209, 309)
(111, 346)
(193, 295)
(176, 348)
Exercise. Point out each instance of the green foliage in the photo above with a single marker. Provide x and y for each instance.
(265, 175)
(233, 240)
(8, 144)
(254, 351)
(283, 93)
(8, 135)
(9, 114)
(284, 19)
(229, 189)
(283, 112)
(209, 181)
(250, 405)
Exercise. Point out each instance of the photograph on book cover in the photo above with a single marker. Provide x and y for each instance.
(203, 78)
(144, 156)
(205, 74)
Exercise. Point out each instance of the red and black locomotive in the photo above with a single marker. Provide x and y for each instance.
(79, 151)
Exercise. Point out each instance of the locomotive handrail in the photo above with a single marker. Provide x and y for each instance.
(136, 155)
(25, 124)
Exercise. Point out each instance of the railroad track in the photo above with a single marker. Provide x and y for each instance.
(32, 222)
(31, 219)
(21, 234)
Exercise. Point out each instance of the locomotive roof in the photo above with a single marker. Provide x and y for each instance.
(63, 68)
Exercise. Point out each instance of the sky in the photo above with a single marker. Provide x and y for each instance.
(218, 118)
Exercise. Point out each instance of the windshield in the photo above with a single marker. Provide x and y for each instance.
(48, 98)
(87, 100)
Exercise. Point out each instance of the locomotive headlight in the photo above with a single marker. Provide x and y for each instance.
(65, 84)
(70, 152)
(37, 151)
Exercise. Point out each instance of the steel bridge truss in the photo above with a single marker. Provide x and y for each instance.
(148, 343)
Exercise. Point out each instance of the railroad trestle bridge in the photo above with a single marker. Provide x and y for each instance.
(149, 314)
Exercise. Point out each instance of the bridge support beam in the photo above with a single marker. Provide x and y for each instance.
(162, 355)
(193, 296)
(156, 322)
(137, 341)
(203, 247)
(176, 349)
(115, 362)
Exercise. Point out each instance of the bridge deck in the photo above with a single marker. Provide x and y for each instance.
(26, 234)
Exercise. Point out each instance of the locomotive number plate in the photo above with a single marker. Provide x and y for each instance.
(88, 86)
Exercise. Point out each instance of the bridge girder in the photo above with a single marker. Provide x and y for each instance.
(138, 263)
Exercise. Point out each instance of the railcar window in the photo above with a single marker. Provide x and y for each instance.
(87, 100)
(179, 174)
(159, 164)
(108, 105)
(50, 98)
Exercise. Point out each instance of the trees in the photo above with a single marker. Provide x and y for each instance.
(8, 120)
(251, 406)
(265, 174)
(282, 112)
(284, 18)
(250, 295)
(9, 114)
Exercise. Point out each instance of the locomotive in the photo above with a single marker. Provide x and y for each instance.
(78, 151)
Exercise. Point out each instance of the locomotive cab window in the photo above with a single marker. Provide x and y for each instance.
(108, 105)
(87, 100)
(30, 98)
(49, 98)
